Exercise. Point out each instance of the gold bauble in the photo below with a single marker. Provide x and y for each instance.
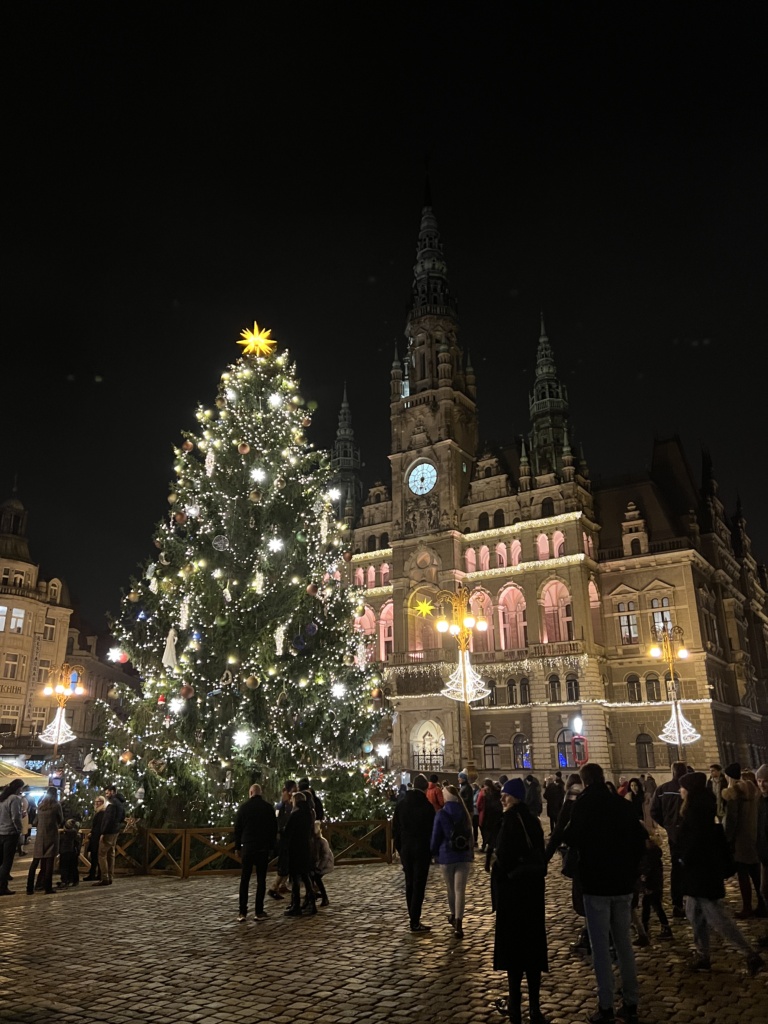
(255, 496)
(244, 448)
(133, 596)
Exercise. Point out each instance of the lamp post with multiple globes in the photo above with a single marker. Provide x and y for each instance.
(668, 645)
(67, 685)
(464, 684)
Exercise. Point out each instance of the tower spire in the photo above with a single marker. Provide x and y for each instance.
(431, 291)
(346, 466)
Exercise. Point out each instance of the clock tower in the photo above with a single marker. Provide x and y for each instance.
(432, 401)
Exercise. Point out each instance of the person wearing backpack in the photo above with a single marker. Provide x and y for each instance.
(453, 847)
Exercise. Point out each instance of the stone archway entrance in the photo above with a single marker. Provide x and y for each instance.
(427, 747)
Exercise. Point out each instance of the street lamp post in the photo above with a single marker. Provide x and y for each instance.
(668, 645)
(67, 685)
(464, 684)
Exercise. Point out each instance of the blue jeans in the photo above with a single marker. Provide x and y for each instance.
(705, 914)
(609, 918)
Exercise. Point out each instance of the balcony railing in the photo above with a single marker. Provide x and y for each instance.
(436, 654)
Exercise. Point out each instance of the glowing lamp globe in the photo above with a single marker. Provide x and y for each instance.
(441, 625)
(655, 651)
(683, 653)
(454, 629)
(482, 624)
(469, 621)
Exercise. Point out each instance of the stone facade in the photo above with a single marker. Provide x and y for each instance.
(570, 579)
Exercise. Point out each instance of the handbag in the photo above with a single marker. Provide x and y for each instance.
(531, 864)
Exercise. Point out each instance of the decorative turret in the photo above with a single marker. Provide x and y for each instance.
(13, 530)
(525, 469)
(346, 466)
(548, 406)
(396, 378)
(431, 292)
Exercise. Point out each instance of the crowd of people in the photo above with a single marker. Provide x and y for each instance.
(609, 840)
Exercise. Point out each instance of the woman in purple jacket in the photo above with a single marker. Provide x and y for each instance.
(453, 847)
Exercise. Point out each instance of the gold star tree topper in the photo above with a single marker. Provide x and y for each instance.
(424, 608)
(257, 342)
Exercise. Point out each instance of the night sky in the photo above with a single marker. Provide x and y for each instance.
(174, 172)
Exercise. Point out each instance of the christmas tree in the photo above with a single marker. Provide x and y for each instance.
(241, 628)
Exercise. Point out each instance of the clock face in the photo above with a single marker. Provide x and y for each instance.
(422, 478)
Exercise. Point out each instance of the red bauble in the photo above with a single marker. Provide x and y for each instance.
(347, 556)
(306, 421)
(122, 657)
(187, 446)
(312, 589)
(161, 699)
(180, 517)
(186, 691)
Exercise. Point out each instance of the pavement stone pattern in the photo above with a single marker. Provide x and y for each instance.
(158, 950)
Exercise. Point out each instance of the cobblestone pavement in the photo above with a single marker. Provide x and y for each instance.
(157, 950)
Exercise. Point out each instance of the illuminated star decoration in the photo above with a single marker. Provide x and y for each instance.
(424, 608)
(257, 342)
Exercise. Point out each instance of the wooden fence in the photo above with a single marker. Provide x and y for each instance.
(196, 852)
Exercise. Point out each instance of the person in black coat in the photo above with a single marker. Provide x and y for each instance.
(412, 825)
(255, 838)
(520, 939)
(94, 872)
(297, 840)
(610, 842)
(704, 861)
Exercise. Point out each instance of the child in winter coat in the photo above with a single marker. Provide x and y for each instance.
(649, 889)
(70, 841)
(322, 860)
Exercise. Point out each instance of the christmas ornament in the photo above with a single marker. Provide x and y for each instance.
(310, 629)
(255, 496)
(172, 498)
(257, 342)
(161, 700)
(280, 482)
(187, 446)
(220, 620)
(220, 403)
(347, 556)
(220, 543)
(133, 596)
(306, 421)
(252, 683)
(312, 589)
(127, 756)
(169, 655)
(180, 517)
(187, 691)
(298, 643)
(376, 693)
(164, 559)
(349, 659)
(243, 448)
(122, 657)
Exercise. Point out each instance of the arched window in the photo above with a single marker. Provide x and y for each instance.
(633, 689)
(564, 751)
(386, 630)
(525, 691)
(652, 688)
(366, 624)
(480, 604)
(512, 620)
(521, 752)
(547, 508)
(482, 521)
(558, 614)
(594, 612)
(634, 547)
(384, 540)
(491, 753)
(558, 543)
(498, 518)
(490, 700)
(589, 547)
(359, 577)
(501, 556)
(384, 574)
(470, 560)
(572, 687)
(371, 543)
(515, 552)
(511, 691)
(53, 592)
(484, 559)
(644, 747)
(542, 547)
(555, 695)
(371, 576)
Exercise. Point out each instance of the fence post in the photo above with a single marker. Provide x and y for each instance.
(186, 855)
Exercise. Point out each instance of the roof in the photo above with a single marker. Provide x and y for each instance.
(9, 772)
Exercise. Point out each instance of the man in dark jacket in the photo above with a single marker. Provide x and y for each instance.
(610, 842)
(111, 827)
(467, 793)
(554, 794)
(665, 811)
(255, 838)
(412, 834)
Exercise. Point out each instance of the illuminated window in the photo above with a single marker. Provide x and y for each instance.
(521, 752)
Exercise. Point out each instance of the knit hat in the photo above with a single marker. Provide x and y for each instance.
(762, 773)
(694, 782)
(515, 787)
(733, 771)
(421, 782)
(463, 775)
